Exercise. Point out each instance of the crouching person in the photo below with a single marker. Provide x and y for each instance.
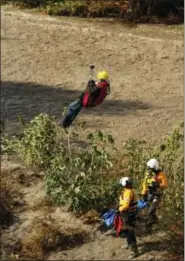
(128, 211)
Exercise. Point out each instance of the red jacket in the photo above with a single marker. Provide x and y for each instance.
(95, 95)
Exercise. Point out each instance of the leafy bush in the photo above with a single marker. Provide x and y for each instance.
(37, 144)
(81, 179)
(163, 11)
(172, 160)
(86, 179)
(171, 157)
(32, 3)
(74, 8)
(135, 154)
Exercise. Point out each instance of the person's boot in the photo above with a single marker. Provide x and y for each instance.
(134, 251)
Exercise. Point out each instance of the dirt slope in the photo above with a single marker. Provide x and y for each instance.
(45, 65)
(32, 209)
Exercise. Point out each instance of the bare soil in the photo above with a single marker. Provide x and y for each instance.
(44, 66)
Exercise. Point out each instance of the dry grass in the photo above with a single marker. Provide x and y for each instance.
(46, 204)
(10, 189)
(44, 236)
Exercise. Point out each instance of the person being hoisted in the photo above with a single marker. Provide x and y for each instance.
(94, 95)
(153, 186)
(128, 211)
(97, 91)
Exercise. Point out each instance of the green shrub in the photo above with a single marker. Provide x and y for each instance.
(163, 11)
(172, 160)
(37, 144)
(85, 179)
(33, 3)
(74, 8)
(80, 179)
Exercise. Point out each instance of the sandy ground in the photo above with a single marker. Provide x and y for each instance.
(45, 66)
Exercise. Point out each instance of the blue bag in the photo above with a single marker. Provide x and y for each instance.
(141, 204)
(108, 217)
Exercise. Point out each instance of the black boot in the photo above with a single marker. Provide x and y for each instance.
(134, 251)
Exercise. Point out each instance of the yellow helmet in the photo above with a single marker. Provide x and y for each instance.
(103, 75)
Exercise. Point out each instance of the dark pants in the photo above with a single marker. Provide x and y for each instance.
(130, 237)
(152, 216)
(153, 205)
(73, 110)
(129, 220)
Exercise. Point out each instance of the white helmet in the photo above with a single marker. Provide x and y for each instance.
(123, 181)
(153, 164)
